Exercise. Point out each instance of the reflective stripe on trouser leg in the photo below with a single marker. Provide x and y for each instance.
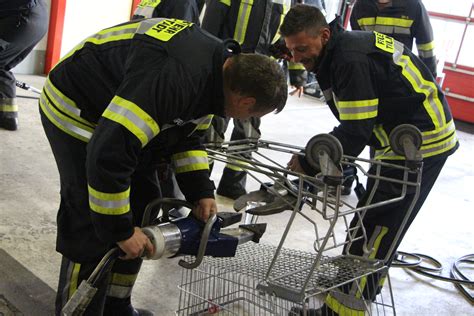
(70, 277)
(123, 276)
(8, 107)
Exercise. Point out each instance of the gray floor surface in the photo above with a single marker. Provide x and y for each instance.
(30, 197)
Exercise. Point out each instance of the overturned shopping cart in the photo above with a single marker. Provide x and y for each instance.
(277, 280)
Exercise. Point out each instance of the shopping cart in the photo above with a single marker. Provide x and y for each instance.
(278, 280)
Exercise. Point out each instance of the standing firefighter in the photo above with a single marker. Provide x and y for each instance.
(22, 25)
(121, 102)
(372, 84)
(404, 20)
(180, 9)
(254, 24)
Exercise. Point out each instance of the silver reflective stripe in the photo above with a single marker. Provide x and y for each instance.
(356, 110)
(146, 12)
(147, 24)
(368, 27)
(419, 81)
(181, 162)
(139, 123)
(428, 136)
(349, 301)
(60, 102)
(328, 94)
(61, 123)
(426, 53)
(108, 203)
(249, 130)
(119, 291)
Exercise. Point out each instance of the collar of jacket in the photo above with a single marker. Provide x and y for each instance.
(336, 29)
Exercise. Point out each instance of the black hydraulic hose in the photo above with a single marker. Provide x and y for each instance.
(457, 277)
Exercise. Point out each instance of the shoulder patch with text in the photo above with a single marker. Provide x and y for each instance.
(166, 29)
(384, 42)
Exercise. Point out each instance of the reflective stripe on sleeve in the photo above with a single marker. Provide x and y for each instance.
(191, 160)
(295, 66)
(243, 20)
(203, 123)
(381, 135)
(432, 104)
(226, 2)
(146, 7)
(109, 203)
(426, 50)
(133, 118)
(357, 110)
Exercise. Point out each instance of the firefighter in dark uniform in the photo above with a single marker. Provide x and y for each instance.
(372, 83)
(119, 103)
(254, 24)
(23, 23)
(404, 20)
(180, 9)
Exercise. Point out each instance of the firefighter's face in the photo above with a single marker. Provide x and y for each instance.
(306, 48)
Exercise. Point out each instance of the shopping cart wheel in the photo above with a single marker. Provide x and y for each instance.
(323, 143)
(402, 133)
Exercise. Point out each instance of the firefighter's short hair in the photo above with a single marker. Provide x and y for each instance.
(303, 17)
(260, 77)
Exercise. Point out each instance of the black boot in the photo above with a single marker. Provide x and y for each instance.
(8, 114)
(232, 184)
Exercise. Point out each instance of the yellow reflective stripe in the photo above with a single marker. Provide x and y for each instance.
(64, 103)
(109, 203)
(295, 66)
(427, 46)
(233, 167)
(431, 103)
(243, 20)
(381, 20)
(204, 122)
(74, 279)
(357, 110)
(439, 133)
(133, 118)
(341, 309)
(381, 135)
(149, 3)
(65, 123)
(123, 279)
(375, 248)
(118, 33)
(425, 150)
(366, 21)
(226, 2)
(8, 108)
(191, 160)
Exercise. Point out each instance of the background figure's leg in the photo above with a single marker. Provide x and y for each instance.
(19, 33)
(233, 181)
(215, 135)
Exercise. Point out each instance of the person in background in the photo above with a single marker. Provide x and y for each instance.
(404, 20)
(121, 102)
(23, 23)
(180, 9)
(372, 84)
(255, 26)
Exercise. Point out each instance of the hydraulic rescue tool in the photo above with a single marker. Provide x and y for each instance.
(171, 238)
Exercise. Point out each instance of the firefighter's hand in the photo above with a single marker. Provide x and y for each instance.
(296, 91)
(136, 245)
(294, 164)
(205, 208)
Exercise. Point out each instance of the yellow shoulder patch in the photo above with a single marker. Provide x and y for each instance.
(166, 29)
(384, 42)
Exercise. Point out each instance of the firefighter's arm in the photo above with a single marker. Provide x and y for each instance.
(215, 16)
(423, 33)
(185, 10)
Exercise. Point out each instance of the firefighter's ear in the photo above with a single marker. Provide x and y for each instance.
(325, 34)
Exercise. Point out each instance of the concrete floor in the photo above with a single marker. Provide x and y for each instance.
(29, 199)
